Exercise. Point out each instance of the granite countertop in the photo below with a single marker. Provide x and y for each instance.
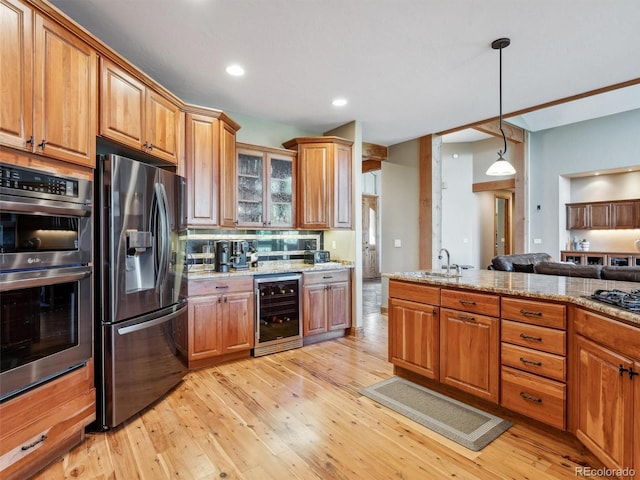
(268, 267)
(537, 286)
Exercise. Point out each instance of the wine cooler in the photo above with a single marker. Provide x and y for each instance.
(278, 313)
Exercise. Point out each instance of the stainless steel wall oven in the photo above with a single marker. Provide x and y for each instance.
(45, 277)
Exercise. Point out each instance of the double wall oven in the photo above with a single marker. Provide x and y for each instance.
(45, 277)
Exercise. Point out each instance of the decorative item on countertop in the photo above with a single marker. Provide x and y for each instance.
(584, 245)
(637, 244)
(576, 244)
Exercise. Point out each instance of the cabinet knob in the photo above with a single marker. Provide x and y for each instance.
(622, 370)
(42, 144)
(30, 141)
(632, 373)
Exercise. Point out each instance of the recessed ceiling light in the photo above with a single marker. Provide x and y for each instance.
(235, 70)
(339, 102)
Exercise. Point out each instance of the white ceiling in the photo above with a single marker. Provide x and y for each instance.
(407, 67)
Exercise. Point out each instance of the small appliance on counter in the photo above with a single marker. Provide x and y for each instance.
(238, 258)
(316, 256)
(222, 260)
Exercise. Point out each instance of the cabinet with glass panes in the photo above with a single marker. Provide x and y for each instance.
(266, 190)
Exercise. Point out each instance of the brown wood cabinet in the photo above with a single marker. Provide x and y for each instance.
(137, 116)
(533, 357)
(603, 215)
(266, 186)
(210, 138)
(44, 423)
(469, 353)
(324, 192)
(625, 214)
(414, 328)
(606, 388)
(49, 87)
(326, 301)
(220, 320)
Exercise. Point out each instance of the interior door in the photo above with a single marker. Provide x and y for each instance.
(370, 238)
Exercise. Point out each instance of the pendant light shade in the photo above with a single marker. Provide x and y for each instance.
(501, 167)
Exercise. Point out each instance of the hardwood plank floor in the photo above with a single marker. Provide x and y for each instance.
(298, 415)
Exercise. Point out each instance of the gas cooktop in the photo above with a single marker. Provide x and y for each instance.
(629, 301)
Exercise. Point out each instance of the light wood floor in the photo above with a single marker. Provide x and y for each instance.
(298, 415)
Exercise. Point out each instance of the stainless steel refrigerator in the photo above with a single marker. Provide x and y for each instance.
(140, 286)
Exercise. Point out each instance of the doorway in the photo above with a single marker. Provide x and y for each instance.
(502, 232)
(370, 237)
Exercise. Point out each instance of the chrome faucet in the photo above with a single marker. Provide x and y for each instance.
(448, 258)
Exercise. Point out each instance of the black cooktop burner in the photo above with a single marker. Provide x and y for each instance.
(627, 300)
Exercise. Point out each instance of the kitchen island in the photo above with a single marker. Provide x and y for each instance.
(532, 344)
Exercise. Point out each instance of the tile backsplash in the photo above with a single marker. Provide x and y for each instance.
(269, 244)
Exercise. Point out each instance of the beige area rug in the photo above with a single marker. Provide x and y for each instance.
(466, 425)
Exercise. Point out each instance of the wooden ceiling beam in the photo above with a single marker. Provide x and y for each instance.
(371, 151)
(513, 133)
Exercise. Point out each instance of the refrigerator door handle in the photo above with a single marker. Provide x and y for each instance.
(151, 323)
(162, 234)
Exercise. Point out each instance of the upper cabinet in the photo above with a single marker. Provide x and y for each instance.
(49, 87)
(265, 187)
(210, 143)
(137, 116)
(603, 215)
(324, 191)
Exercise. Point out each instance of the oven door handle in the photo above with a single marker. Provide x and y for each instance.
(30, 282)
(26, 205)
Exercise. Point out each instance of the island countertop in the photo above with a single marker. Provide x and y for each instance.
(531, 285)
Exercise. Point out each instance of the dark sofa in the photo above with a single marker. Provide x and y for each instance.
(544, 264)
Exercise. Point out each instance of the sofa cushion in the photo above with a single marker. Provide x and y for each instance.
(523, 267)
(625, 274)
(505, 262)
(568, 269)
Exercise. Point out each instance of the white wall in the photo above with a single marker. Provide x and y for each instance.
(602, 143)
(460, 209)
(265, 133)
(399, 202)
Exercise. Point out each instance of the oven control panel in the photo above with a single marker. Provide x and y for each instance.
(26, 180)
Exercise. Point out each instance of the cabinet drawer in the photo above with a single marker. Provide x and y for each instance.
(471, 302)
(536, 313)
(540, 338)
(534, 361)
(414, 292)
(325, 276)
(212, 286)
(534, 396)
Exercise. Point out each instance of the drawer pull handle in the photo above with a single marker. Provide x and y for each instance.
(466, 318)
(327, 276)
(31, 445)
(622, 370)
(467, 302)
(528, 313)
(632, 373)
(530, 398)
(222, 286)
(529, 337)
(530, 362)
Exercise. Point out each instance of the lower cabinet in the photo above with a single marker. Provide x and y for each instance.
(414, 331)
(469, 353)
(44, 423)
(220, 320)
(607, 389)
(326, 300)
(534, 364)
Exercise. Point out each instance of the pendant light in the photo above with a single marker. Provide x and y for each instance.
(501, 166)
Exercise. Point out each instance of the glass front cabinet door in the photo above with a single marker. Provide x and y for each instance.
(266, 189)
